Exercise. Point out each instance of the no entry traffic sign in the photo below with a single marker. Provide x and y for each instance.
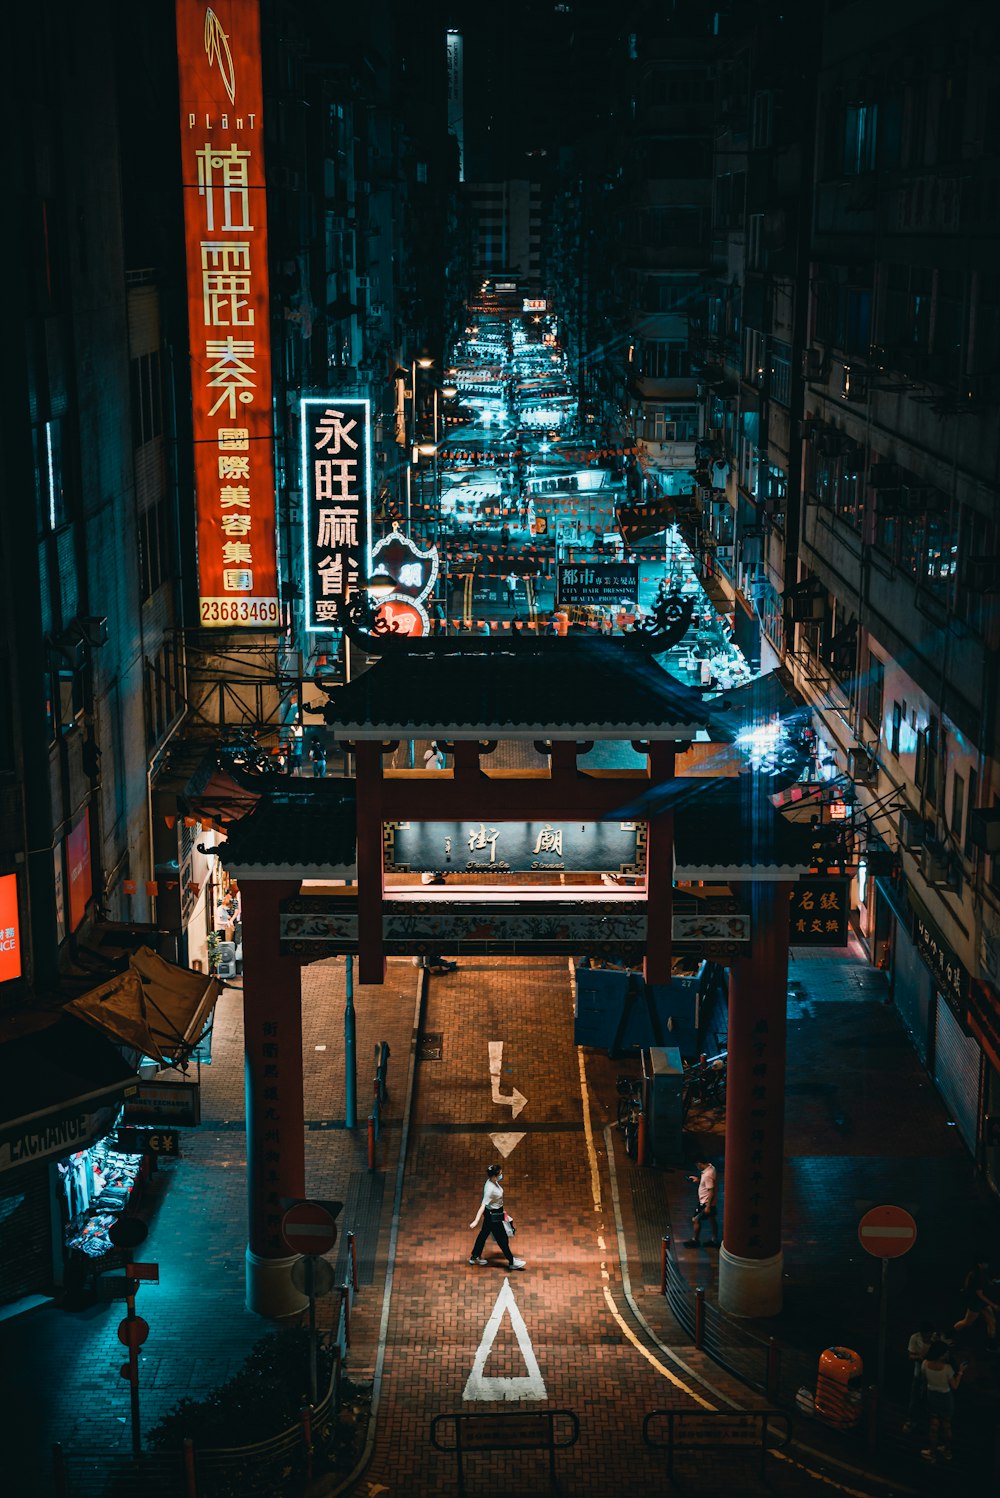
(887, 1232)
(308, 1228)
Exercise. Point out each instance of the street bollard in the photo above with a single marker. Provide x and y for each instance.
(352, 1246)
(773, 1369)
(699, 1318)
(640, 1150)
(307, 1438)
(371, 1141)
(345, 1301)
(59, 1470)
(190, 1472)
(664, 1244)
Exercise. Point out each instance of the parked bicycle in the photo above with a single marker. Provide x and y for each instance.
(705, 1083)
(630, 1112)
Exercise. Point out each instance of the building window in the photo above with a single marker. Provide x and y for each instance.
(155, 547)
(860, 127)
(147, 402)
(897, 724)
(754, 347)
(781, 373)
(875, 688)
(970, 849)
(957, 804)
(762, 122)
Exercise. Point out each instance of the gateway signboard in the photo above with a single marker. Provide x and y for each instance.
(513, 847)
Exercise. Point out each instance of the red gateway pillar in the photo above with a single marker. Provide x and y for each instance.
(371, 866)
(659, 873)
(272, 1022)
(751, 1261)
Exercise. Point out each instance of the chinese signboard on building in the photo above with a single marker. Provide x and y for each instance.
(951, 977)
(225, 219)
(336, 503)
(607, 583)
(820, 908)
(512, 847)
(10, 929)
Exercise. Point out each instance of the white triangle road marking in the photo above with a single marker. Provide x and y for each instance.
(530, 1386)
(506, 1142)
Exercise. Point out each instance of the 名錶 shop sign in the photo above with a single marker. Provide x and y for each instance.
(336, 503)
(512, 847)
(819, 912)
(225, 221)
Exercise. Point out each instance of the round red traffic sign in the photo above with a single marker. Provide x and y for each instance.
(308, 1228)
(133, 1331)
(887, 1232)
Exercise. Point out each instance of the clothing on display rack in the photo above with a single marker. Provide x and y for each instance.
(98, 1184)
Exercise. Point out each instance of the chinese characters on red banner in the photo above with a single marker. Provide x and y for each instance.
(336, 503)
(222, 151)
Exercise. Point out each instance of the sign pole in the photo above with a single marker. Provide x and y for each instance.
(133, 1381)
(350, 1064)
(311, 1292)
(883, 1322)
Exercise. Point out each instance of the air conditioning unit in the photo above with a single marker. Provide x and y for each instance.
(884, 475)
(984, 829)
(806, 606)
(935, 865)
(912, 829)
(815, 365)
(862, 766)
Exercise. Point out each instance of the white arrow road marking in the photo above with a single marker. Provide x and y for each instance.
(517, 1100)
(506, 1142)
(529, 1386)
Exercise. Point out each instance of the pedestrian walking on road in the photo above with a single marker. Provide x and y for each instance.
(317, 753)
(434, 757)
(491, 1214)
(976, 1294)
(708, 1185)
(510, 583)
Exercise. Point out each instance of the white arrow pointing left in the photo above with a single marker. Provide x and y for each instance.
(517, 1100)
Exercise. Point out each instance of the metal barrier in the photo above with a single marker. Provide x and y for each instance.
(719, 1430)
(755, 1360)
(380, 1093)
(521, 1430)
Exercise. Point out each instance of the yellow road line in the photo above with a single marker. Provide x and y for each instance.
(660, 1367)
(595, 1174)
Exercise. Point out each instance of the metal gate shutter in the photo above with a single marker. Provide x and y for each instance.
(956, 1072)
(911, 991)
(25, 1251)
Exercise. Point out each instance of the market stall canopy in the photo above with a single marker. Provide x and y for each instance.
(576, 687)
(155, 1007)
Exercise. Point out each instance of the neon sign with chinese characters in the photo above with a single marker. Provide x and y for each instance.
(336, 503)
(225, 222)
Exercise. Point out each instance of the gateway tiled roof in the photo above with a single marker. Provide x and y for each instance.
(728, 829)
(303, 833)
(549, 687)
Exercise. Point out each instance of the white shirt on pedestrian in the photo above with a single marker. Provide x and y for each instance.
(707, 1186)
(492, 1195)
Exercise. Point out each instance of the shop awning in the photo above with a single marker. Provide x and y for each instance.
(157, 1008)
(52, 1065)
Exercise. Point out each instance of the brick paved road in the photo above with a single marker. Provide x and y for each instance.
(441, 1305)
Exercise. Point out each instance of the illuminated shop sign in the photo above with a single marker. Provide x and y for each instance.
(533, 304)
(513, 847)
(225, 220)
(820, 908)
(80, 878)
(336, 503)
(10, 929)
(605, 583)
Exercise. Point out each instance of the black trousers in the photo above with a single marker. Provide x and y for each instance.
(493, 1223)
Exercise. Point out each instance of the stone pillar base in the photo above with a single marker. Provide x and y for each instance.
(270, 1291)
(750, 1287)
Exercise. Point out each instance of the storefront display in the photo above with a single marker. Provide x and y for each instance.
(96, 1185)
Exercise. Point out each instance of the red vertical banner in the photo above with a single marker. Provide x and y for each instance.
(10, 929)
(80, 877)
(225, 222)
